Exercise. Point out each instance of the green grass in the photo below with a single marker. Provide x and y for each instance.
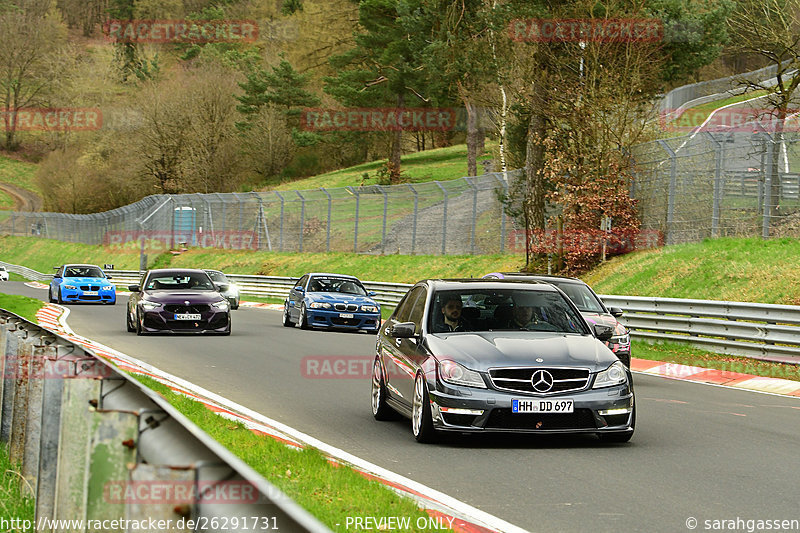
(329, 492)
(17, 173)
(746, 270)
(13, 506)
(21, 306)
(439, 164)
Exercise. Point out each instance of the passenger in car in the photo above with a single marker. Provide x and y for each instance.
(451, 319)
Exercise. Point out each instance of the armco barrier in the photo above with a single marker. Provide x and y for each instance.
(94, 444)
(761, 331)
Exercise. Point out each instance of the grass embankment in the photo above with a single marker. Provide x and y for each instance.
(329, 492)
(13, 506)
(440, 164)
(17, 173)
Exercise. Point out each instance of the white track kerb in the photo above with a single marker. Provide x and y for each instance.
(466, 518)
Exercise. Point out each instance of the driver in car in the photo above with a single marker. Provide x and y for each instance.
(451, 314)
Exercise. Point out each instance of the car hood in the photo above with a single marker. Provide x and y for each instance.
(333, 297)
(484, 350)
(179, 297)
(95, 281)
(606, 320)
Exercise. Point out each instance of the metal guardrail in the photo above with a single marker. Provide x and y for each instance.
(96, 445)
(388, 294)
(762, 331)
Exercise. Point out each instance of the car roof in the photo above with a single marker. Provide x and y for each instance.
(536, 277)
(177, 270)
(472, 283)
(333, 275)
(79, 265)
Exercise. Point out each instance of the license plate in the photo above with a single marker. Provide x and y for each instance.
(90, 293)
(564, 405)
(187, 317)
(345, 315)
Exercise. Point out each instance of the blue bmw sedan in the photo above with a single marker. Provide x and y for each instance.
(331, 301)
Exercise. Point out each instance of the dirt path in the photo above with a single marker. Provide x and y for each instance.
(24, 200)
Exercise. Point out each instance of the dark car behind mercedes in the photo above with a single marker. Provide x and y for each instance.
(178, 301)
(590, 305)
(553, 376)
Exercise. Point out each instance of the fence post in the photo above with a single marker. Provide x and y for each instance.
(414, 228)
(717, 184)
(673, 177)
(474, 214)
(383, 230)
(302, 218)
(444, 217)
(280, 233)
(328, 230)
(767, 188)
(355, 225)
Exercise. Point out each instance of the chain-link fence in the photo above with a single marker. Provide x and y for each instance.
(712, 184)
(462, 216)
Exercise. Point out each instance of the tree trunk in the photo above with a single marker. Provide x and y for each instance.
(472, 137)
(397, 146)
(534, 197)
(775, 181)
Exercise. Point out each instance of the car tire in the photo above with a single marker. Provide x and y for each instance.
(287, 319)
(58, 296)
(620, 436)
(303, 320)
(50, 296)
(128, 325)
(380, 409)
(139, 330)
(421, 418)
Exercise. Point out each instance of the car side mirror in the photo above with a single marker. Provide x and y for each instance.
(371, 293)
(221, 287)
(299, 289)
(603, 332)
(615, 311)
(403, 330)
(134, 288)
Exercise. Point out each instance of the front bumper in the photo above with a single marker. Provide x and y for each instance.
(162, 321)
(590, 415)
(95, 296)
(325, 318)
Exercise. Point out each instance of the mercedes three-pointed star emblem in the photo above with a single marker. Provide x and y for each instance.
(542, 381)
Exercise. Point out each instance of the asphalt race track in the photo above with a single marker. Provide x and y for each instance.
(699, 451)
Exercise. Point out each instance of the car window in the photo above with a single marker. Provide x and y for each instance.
(84, 272)
(179, 282)
(333, 284)
(501, 309)
(218, 277)
(302, 282)
(403, 310)
(418, 310)
(583, 298)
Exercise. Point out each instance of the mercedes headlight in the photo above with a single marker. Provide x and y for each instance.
(319, 305)
(369, 308)
(613, 375)
(455, 374)
(222, 306)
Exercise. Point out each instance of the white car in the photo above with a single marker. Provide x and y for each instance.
(3, 274)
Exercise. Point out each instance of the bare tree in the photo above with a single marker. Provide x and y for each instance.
(770, 29)
(31, 33)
